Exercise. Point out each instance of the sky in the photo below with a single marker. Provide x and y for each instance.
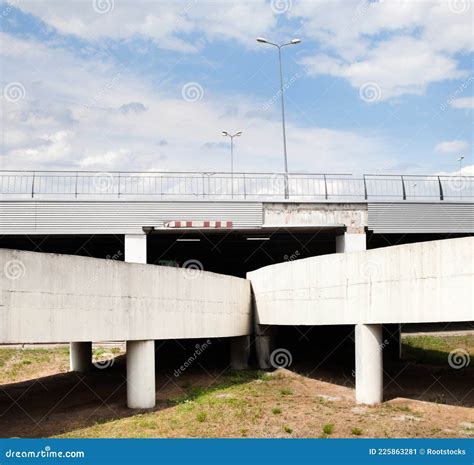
(374, 86)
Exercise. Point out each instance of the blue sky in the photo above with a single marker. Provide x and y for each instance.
(120, 85)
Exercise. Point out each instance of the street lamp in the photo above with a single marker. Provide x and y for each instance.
(227, 134)
(460, 159)
(279, 47)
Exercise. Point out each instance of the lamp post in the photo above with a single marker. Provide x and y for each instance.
(279, 47)
(460, 159)
(228, 134)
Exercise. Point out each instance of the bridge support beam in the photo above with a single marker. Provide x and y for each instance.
(135, 248)
(141, 374)
(140, 354)
(240, 352)
(80, 356)
(369, 363)
(353, 240)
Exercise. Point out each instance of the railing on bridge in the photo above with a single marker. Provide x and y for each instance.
(239, 186)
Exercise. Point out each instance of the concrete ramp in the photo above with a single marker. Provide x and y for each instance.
(60, 298)
(416, 283)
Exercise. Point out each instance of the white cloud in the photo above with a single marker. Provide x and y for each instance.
(463, 103)
(452, 146)
(167, 23)
(401, 45)
(72, 117)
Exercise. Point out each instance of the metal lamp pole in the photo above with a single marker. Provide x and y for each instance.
(227, 134)
(279, 47)
(460, 159)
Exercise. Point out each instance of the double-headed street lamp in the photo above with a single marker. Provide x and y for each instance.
(227, 134)
(279, 47)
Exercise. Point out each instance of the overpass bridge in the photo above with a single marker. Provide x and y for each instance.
(229, 224)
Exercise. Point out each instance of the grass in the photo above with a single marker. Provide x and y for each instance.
(251, 403)
(328, 428)
(435, 350)
(23, 364)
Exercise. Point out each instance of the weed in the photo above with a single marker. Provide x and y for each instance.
(328, 428)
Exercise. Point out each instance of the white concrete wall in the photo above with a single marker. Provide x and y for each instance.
(60, 298)
(352, 215)
(422, 282)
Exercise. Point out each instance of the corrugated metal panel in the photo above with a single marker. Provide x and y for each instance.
(415, 217)
(53, 217)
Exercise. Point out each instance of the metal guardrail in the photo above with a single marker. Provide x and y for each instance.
(238, 186)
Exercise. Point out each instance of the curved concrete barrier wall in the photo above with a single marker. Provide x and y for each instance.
(422, 282)
(59, 298)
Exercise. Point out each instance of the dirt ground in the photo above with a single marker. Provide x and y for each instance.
(421, 401)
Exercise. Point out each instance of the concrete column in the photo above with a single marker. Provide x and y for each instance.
(369, 364)
(240, 352)
(264, 345)
(140, 354)
(80, 356)
(141, 374)
(351, 241)
(135, 248)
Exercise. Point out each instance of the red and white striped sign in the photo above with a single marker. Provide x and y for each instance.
(199, 224)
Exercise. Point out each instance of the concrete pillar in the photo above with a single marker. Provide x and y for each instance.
(264, 345)
(135, 248)
(369, 364)
(141, 374)
(140, 354)
(240, 352)
(80, 356)
(351, 241)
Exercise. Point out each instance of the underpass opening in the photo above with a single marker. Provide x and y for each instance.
(234, 252)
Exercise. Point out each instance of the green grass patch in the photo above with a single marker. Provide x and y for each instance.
(356, 431)
(328, 428)
(435, 350)
(276, 410)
